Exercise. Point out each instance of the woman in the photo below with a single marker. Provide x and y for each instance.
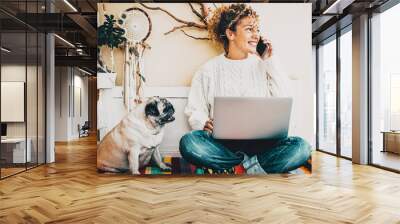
(240, 71)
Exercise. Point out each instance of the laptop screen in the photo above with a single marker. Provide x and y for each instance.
(3, 129)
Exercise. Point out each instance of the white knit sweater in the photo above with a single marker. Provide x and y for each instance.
(220, 76)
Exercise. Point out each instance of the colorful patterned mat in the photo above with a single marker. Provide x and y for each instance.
(179, 166)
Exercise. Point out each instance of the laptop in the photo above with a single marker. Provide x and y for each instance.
(251, 117)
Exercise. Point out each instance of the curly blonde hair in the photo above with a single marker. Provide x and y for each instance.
(227, 17)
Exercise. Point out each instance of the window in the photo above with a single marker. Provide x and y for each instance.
(385, 88)
(395, 101)
(346, 94)
(327, 97)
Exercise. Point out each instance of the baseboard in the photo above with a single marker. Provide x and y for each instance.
(170, 151)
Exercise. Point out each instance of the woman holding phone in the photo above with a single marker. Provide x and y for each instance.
(243, 69)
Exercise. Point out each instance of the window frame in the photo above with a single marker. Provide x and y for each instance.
(381, 9)
(336, 36)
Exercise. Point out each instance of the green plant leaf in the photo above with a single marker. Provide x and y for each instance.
(142, 78)
(110, 35)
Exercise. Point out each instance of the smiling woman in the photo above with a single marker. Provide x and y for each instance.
(239, 72)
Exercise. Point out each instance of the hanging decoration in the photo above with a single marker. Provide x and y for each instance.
(137, 26)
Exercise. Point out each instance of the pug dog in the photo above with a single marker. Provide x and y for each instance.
(135, 140)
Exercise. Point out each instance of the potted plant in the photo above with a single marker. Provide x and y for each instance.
(111, 35)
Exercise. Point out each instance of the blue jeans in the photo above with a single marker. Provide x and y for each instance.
(262, 156)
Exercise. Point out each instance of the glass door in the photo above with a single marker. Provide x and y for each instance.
(327, 96)
(22, 77)
(385, 89)
(14, 155)
(346, 93)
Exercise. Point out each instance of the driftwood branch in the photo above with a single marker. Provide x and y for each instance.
(191, 24)
(176, 28)
(202, 15)
(198, 14)
(204, 10)
(197, 38)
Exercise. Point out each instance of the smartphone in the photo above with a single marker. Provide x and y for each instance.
(261, 47)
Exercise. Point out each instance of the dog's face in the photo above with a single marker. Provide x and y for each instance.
(159, 111)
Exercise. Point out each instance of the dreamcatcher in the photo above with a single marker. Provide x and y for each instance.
(137, 25)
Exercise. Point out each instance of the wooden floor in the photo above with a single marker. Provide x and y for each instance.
(71, 191)
(5, 172)
(387, 159)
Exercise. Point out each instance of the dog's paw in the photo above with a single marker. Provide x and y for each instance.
(164, 166)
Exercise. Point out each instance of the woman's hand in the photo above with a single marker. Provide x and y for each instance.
(268, 52)
(209, 126)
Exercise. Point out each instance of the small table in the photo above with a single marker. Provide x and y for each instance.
(13, 150)
(391, 141)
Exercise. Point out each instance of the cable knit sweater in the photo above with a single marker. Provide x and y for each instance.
(220, 76)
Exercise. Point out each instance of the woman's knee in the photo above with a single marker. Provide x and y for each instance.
(190, 141)
(303, 148)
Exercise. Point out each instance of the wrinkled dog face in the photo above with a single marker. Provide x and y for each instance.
(159, 110)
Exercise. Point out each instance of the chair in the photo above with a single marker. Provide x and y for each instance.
(84, 130)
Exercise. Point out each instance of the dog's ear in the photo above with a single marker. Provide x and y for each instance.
(151, 109)
(168, 107)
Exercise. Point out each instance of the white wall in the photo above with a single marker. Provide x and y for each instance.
(68, 81)
(80, 83)
(12, 73)
(62, 81)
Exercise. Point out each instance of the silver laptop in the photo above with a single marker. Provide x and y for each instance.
(251, 117)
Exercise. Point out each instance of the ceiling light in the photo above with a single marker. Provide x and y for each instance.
(70, 5)
(337, 7)
(65, 41)
(5, 50)
(86, 72)
(332, 9)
